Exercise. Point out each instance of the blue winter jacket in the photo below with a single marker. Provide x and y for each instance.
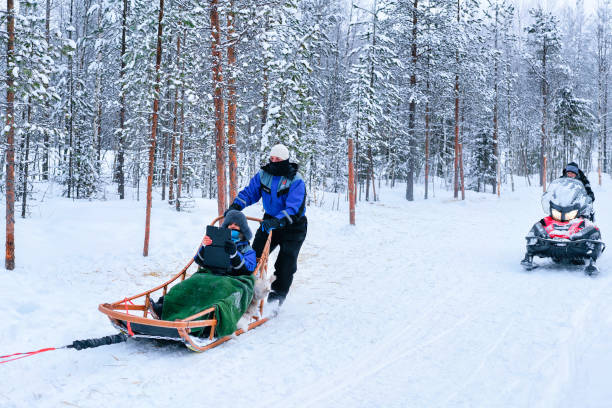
(282, 197)
(248, 259)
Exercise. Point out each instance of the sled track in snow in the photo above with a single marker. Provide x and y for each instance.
(381, 355)
(564, 357)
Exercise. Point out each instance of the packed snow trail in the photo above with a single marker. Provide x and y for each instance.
(419, 304)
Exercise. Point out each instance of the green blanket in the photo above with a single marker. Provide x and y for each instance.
(230, 295)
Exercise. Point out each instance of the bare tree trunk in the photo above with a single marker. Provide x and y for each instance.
(509, 124)
(173, 151)
(179, 185)
(45, 164)
(164, 172)
(231, 105)
(412, 115)
(218, 100)
(461, 170)
(373, 186)
(179, 181)
(544, 103)
(154, 120)
(370, 169)
(456, 181)
(427, 146)
(605, 123)
(495, 112)
(97, 125)
(9, 261)
(26, 163)
(122, 138)
(70, 109)
(351, 182)
(266, 87)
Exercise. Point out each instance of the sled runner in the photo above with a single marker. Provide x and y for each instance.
(567, 234)
(133, 316)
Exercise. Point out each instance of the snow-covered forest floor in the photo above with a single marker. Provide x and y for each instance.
(421, 304)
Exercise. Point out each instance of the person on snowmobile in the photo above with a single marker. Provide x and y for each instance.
(241, 255)
(573, 171)
(566, 234)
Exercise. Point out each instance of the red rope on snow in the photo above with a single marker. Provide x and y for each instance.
(24, 355)
(127, 312)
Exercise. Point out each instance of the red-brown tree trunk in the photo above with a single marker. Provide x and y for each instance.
(231, 105)
(9, 261)
(154, 119)
(218, 100)
(351, 182)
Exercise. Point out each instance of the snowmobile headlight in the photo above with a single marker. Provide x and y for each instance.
(571, 215)
(556, 214)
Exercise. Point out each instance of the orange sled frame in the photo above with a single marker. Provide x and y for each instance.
(142, 326)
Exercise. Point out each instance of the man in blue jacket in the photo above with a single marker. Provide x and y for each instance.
(283, 194)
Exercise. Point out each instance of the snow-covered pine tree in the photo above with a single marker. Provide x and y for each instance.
(545, 43)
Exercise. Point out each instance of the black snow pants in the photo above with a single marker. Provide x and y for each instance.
(290, 239)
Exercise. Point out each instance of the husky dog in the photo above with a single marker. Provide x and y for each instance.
(260, 291)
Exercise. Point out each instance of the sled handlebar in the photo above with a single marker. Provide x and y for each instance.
(221, 217)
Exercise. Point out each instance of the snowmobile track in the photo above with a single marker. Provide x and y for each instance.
(387, 352)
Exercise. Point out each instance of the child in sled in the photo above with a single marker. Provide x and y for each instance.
(230, 291)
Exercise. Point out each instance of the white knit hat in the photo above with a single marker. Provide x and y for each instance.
(280, 151)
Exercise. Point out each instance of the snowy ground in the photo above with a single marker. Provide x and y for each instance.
(422, 304)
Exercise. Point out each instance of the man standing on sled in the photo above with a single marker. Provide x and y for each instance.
(283, 194)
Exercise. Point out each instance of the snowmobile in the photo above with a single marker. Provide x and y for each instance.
(143, 324)
(567, 235)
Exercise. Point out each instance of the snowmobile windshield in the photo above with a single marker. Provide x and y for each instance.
(565, 195)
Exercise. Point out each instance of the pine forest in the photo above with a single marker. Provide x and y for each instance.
(175, 99)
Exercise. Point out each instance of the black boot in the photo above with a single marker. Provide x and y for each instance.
(156, 308)
(276, 297)
(591, 269)
(527, 262)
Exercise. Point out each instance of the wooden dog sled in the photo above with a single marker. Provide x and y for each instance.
(131, 315)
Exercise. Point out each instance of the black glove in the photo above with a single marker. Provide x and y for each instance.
(230, 247)
(234, 206)
(271, 224)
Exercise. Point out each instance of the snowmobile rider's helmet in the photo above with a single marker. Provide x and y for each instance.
(567, 213)
(571, 170)
(238, 218)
